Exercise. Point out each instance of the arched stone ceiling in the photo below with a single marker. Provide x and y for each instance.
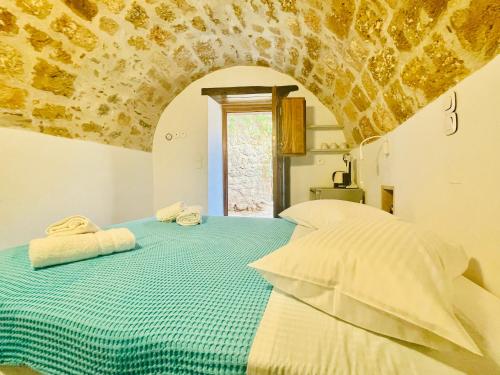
(104, 70)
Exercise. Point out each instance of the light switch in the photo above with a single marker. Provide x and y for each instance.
(450, 118)
(450, 124)
(199, 162)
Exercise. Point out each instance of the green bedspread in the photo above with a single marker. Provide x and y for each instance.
(183, 302)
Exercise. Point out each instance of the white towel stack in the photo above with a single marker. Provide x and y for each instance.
(76, 238)
(171, 212)
(190, 216)
(49, 251)
(183, 215)
(72, 225)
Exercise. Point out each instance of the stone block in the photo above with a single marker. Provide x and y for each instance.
(57, 131)
(114, 6)
(37, 8)
(370, 20)
(37, 38)
(11, 61)
(340, 16)
(137, 15)
(478, 27)
(76, 33)
(52, 112)
(383, 65)
(383, 119)
(12, 97)
(401, 105)
(165, 12)
(205, 52)
(370, 86)
(108, 25)
(366, 127)
(85, 9)
(51, 78)
(8, 22)
(92, 127)
(359, 99)
(435, 72)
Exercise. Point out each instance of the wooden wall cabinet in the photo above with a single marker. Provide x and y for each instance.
(292, 137)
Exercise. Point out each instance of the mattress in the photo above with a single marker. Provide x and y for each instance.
(183, 302)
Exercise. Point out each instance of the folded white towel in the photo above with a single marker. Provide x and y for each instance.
(190, 216)
(170, 213)
(72, 225)
(48, 251)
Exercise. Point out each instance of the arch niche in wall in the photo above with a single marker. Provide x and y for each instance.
(190, 165)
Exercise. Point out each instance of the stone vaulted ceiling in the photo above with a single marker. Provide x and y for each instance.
(104, 70)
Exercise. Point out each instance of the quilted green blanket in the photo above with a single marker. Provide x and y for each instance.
(183, 302)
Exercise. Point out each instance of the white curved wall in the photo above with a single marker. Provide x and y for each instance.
(448, 183)
(180, 166)
(45, 178)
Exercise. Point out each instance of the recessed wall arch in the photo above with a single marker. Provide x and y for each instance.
(181, 167)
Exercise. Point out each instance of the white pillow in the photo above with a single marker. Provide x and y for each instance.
(382, 275)
(323, 213)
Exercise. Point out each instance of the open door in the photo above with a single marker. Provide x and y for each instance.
(281, 164)
(232, 97)
(289, 119)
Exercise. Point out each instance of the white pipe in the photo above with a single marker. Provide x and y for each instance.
(385, 148)
(361, 156)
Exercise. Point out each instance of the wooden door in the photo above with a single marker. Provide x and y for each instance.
(281, 163)
(293, 126)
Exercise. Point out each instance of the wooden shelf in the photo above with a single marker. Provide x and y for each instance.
(329, 151)
(325, 127)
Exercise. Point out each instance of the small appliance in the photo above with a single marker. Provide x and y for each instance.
(341, 179)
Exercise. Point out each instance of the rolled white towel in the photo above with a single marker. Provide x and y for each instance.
(171, 212)
(190, 216)
(48, 251)
(71, 225)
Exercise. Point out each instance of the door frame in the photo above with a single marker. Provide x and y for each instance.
(237, 107)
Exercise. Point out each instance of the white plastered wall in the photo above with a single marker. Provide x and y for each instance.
(45, 178)
(182, 168)
(449, 183)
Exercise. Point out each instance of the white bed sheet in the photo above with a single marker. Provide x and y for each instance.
(295, 338)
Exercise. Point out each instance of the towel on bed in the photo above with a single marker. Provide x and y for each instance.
(190, 216)
(49, 251)
(70, 225)
(171, 212)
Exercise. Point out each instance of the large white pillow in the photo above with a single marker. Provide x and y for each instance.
(323, 213)
(382, 275)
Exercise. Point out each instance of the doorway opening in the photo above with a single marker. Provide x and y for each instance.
(250, 100)
(248, 159)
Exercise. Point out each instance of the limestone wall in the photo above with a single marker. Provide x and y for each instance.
(103, 70)
(249, 164)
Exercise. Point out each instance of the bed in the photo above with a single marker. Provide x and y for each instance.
(185, 302)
